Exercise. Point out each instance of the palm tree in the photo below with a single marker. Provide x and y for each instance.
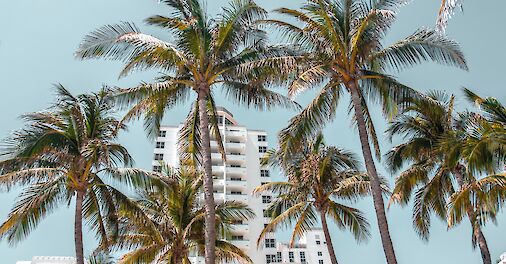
(342, 40)
(484, 152)
(65, 152)
(318, 175)
(101, 258)
(433, 149)
(229, 52)
(171, 225)
(485, 141)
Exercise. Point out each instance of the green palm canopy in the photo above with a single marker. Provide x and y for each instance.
(343, 43)
(69, 151)
(441, 168)
(228, 53)
(170, 227)
(320, 178)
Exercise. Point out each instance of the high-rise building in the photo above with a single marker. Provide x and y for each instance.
(234, 179)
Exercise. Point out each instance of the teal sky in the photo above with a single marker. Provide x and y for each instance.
(37, 42)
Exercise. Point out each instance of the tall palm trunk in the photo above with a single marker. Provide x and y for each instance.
(328, 239)
(78, 227)
(379, 206)
(210, 219)
(477, 233)
(178, 254)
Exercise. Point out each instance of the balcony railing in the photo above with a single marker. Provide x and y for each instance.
(240, 243)
(235, 183)
(237, 197)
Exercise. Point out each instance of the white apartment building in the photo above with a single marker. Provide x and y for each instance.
(310, 249)
(49, 260)
(502, 258)
(234, 179)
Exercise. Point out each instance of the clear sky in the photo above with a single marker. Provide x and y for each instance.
(37, 42)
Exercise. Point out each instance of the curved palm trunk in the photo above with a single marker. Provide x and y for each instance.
(328, 239)
(78, 228)
(477, 233)
(210, 219)
(379, 206)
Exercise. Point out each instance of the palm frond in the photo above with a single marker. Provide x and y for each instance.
(423, 45)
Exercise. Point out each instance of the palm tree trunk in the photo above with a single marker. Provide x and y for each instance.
(178, 256)
(477, 233)
(379, 206)
(328, 239)
(210, 219)
(78, 227)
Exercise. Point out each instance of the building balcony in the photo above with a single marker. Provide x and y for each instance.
(236, 134)
(240, 228)
(235, 145)
(236, 157)
(216, 157)
(218, 169)
(218, 182)
(244, 244)
(218, 196)
(238, 184)
(236, 170)
(238, 197)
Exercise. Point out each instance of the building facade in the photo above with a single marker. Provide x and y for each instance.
(311, 249)
(234, 179)
(49, 260)
(502, 258)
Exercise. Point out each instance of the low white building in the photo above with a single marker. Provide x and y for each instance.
(310, 249)
(502, 258)
(49, 260)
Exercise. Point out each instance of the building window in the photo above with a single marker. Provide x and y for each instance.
(266, 199)
(262, 149)
(267, 213)
(158, 156)
(263, 183)
(235, 166)
(265, 225)
(235, 192)
(262, 138)
(270, 243)
(320, 261)
(318, 242)
(291, 256)
(237, 237)
(160, 145)
(163, 133)
(303, 257)
(280, 257)
(270, 258)
(320, 254)
(157, 168)
(264, 173)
